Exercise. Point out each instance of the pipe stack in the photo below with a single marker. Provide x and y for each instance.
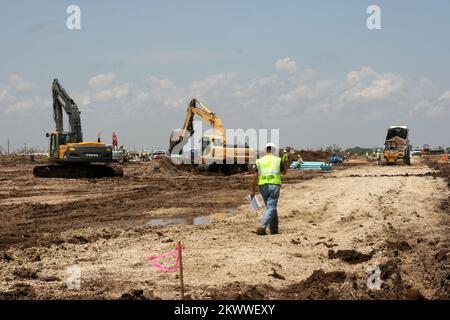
(312, 165)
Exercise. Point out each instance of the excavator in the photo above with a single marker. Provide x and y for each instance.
(69, 155)
(215, 153)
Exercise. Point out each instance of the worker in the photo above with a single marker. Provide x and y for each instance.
(268, 177)
(114, 141)
(285, 157)
(299, 159)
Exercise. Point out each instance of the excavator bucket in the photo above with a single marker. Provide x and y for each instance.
(178, 137)
(89, 171)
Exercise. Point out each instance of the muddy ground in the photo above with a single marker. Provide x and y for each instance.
(334, 227)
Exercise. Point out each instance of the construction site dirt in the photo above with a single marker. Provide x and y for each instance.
(335, 227)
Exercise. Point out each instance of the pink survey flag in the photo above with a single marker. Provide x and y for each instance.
(173, 253)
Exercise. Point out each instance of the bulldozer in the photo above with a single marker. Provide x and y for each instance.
(69, 155)
(397, 148)
(216, 154)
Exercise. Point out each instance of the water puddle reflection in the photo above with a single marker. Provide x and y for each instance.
(192, 219)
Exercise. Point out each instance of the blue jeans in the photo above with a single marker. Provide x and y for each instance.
(270, 194)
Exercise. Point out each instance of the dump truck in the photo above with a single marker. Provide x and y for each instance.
(215, 152)
(69, 155)
(397, 148)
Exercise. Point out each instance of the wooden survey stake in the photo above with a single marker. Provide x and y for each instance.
(181, 269)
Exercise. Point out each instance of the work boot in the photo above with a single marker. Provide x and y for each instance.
(261, 231)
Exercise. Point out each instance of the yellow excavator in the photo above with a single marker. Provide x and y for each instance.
(69, 155)
(215, 152)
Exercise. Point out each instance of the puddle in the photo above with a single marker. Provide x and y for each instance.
(189, 220)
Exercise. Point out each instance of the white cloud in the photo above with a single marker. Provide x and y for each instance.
(209, 84)
(19, 106)
(102, 80)
(445, 96)
(366, 85)
(116, 92)
(6, 97)
(286, 65)
(163, 84)
(427, 108)
(17, 82)
(86, 100)
(17, 97)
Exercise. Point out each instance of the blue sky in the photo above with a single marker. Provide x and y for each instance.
(293, 65)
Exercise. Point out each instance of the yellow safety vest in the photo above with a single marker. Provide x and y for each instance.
(269, 168)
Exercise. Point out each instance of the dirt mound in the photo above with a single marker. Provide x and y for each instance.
(398, 245)
(442, 168)
(165, 166)
(240, 291)
(350, 256)
(138, 294)
(316, 286)
(162, 166)
(393, 286)
(19, 291)
(91, 236)
(25, 273)
(309, 155)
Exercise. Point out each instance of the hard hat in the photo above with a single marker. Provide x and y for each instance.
(271, 145)
(285, 151)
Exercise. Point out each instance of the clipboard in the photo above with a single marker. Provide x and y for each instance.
(254, 202)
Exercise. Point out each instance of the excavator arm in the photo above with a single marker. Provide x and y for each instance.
(182, 135)
(62, 101)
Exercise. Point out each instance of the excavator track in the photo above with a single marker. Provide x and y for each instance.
(72, 171)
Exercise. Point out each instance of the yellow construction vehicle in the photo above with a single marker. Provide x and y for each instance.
(214, 149)
(396, 146)
(69, 155)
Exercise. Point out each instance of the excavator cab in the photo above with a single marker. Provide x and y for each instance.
(56, 140)
(53, 148)
(211, 142)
